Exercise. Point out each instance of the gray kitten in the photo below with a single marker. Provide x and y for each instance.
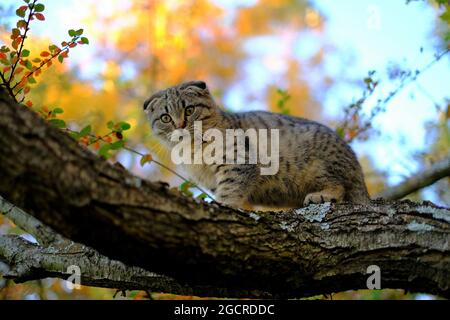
(315, 164)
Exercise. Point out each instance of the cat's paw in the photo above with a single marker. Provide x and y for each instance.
(318, 198)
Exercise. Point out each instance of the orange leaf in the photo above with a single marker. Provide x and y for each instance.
(26, 90)
(21, 24)
(73, 45)
(96, 145)
(15, 44)
(145, 159)
(29, 104)
(2, 55)
(45, 54)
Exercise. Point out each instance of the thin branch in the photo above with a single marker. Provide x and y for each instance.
(22, 43)
(437, 171)
(381, 104)
(6, 85)
(102, 138)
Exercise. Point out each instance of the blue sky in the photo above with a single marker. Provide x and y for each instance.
(367, 35)
(397, 37)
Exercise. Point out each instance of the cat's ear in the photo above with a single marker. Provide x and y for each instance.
(149, 105)
(195, 85)
(146, 104)
(199, 84)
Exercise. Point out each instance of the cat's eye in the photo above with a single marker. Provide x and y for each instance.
(189, 111)
(165, 118)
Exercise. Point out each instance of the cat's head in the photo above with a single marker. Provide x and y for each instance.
(179, 107)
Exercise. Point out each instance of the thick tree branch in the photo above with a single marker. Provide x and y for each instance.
(45, 235)
(303, 252)
(436, 172)
(28, 261)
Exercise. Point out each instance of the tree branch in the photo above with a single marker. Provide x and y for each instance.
(32, 262)
(29, 261)
(45, 235)
(436, 172)
(318, 249)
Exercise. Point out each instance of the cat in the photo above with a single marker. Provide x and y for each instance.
(315, 164)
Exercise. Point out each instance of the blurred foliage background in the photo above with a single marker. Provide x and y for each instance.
(316, 52)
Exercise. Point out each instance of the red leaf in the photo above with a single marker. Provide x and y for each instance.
(29, 104)
(39, 16)
(45, 54)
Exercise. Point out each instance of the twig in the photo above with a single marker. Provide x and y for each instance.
(143, 155)
(10, 91)
(382, 103)
(22, 43)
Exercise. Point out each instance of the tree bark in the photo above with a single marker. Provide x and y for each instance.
(297, 253)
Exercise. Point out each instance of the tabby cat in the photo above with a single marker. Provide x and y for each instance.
(315, 164)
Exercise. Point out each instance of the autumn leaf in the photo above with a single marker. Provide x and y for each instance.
(39, 16)
(146, 159)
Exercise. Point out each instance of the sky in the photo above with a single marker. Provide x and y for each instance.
(366, 35)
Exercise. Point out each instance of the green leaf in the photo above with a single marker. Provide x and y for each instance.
(60, 58)
(117, 145)
(32, 80)
(104, 151)
(202, 196)
(110, 124)
(85, 131)
(58, 123)
(124, 126)
(84, 40)
(20, 13)
(25, 53)
(52, 47)
(340, 132)
(185, 186)
(39, 7)
(72, 33)
(28, 65)
(75, 135)
(79, 32)
(58, 111)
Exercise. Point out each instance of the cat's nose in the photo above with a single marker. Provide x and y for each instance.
(181, 125)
